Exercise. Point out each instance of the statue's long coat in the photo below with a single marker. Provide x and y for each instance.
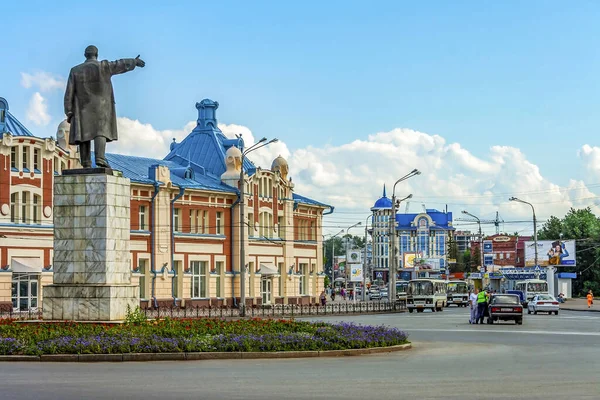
(89, 96)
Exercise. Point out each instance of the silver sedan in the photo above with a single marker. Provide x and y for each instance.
(543, 303)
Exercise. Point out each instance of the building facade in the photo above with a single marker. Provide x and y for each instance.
(421, 241)
(186, 228)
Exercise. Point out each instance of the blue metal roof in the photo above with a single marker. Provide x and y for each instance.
(136, 169)
(441, 219)
(14, 126)
(206, 144)
(305, 200)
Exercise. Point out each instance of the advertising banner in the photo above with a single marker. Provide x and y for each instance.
(356, 273)
(409, 259)
(550, 252)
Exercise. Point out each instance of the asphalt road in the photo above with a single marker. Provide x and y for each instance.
(548, 357)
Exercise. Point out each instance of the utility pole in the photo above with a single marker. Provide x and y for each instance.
(364, 279)
(480, 235)
(537, 273)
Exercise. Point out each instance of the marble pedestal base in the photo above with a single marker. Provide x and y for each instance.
(92, 261)
(89, 302)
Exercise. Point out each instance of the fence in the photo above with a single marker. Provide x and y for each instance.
(268, 311)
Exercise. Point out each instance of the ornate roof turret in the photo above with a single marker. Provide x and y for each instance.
(383, 202)
(280, 164)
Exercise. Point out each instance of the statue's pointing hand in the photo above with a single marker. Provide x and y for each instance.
(139, 62)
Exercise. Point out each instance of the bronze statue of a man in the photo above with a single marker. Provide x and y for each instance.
(90, 104)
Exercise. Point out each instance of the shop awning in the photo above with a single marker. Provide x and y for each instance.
(267, 269)
(26, 264)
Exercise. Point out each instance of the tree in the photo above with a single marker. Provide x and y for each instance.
(467, 261)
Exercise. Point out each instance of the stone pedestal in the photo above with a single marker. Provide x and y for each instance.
(92, 271)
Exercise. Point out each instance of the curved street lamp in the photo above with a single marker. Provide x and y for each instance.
(392, 257)
(537, 273)
(260, 144)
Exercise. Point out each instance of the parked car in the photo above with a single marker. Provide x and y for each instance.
(543, 303)
(374, 294)
(384, 295)
(505, 307)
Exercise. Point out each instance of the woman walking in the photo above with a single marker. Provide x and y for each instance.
(590, 298)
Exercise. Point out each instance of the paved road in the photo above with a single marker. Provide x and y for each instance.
(548, 357)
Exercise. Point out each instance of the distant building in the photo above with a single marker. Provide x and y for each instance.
(463, 240)
(421, 241)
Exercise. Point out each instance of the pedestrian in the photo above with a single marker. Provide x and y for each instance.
(482, 299)
(323, 298)
(590, 298)
(343, 293)
(473, 304)
(332, 294)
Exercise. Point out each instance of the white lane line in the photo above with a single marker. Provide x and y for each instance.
(503, 331)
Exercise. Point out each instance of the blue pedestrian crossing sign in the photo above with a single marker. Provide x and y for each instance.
(379, 275)
(537, 268)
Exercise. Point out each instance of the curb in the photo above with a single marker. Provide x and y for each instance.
(579, 309)
(251, 355)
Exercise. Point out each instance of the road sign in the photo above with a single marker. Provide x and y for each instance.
(379, 275)
(537, 268)
(488, 246)
(488, 259)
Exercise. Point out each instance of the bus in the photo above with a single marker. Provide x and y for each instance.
(401, 289)
(426, 293)
(458, 293)
(529, 288)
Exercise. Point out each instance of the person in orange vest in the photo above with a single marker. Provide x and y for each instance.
(590, 298)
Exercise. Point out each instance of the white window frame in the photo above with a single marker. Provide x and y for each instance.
(142, 218)
(219, 223)
(199, 289)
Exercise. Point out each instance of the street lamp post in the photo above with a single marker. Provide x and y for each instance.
(333, 259)
(347, 263)
(480, 235)
(537, 273)
(261, 143)
(392, 257)
(364, 280)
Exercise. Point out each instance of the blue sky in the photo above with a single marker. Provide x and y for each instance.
(510, 73)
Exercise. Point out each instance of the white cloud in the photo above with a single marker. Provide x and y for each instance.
(45, 81)
(351, 176)
(136, 138)
(37, 111)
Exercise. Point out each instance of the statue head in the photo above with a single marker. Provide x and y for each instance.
(62, 134)
(233, 163)
(91, 52)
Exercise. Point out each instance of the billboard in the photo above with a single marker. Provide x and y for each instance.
(409, 259)
(550, 252)
(356, 273)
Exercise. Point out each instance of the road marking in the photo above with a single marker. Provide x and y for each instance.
(504, 331)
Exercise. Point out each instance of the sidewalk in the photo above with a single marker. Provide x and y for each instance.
(579, 305)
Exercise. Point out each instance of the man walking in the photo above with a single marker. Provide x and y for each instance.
(473, 305)
(482, 301)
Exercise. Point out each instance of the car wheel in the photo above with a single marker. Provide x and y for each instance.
(490, 321)
(555, 312)
(528, 310)
(410, 310)
(519, 321)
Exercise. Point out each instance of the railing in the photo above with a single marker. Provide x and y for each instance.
(255, 311)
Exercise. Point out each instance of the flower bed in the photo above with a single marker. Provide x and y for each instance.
(198, 335)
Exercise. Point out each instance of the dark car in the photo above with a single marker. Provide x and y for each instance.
(505, 307)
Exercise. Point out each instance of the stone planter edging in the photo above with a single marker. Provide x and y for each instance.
(202, 356)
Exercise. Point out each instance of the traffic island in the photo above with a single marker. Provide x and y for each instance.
(193, 339)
